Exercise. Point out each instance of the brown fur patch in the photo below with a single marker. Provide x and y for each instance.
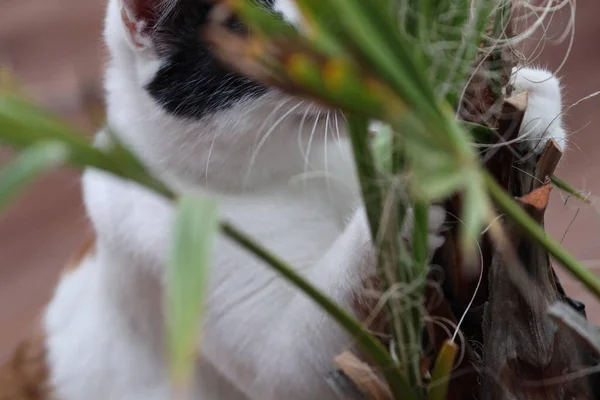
(25, 376)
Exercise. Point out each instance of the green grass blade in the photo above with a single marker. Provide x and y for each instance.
(195, 229)
(565, 187)
(366, 167)
(23, 124)
(28, 165)
(420, 232)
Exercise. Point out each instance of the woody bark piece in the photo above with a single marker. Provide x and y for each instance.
(545, 168)
(363, 377)
(536, 202)
(500, 162)
(548, 163)
(511, 116)
(522, 344)
(344, 387)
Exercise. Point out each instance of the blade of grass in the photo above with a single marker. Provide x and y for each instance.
(195, 229)
(419, 242)
(23, 124)
(30, 163)
(367, 171)
(565, 187)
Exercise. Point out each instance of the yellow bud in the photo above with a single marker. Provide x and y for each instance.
(334, 73)
(298, 65)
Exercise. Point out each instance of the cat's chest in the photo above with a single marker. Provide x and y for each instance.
(299, 223)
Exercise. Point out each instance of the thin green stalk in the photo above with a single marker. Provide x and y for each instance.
(366, 168)
(535, 232)
(395, 379)
(419, 242)
(383, 230)
(420, 253)
(386, 216)
(565, 187)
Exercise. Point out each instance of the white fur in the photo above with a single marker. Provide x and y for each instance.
(543, 119)
(261, 337)
(290, 10)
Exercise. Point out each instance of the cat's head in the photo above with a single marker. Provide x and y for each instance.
(181, 74)
(162, 74)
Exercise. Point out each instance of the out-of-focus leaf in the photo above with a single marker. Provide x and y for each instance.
(195, 229)
(9, 82)
(475, 213)
(382, 147)
(28, 165)
(23, 124)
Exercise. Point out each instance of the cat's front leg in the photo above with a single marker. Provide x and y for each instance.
(304, 340)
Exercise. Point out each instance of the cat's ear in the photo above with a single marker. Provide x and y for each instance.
(139, 18)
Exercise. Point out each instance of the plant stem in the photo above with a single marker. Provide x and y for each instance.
(372, 193)
(395, 379)
(382, 215)
(565, 187)
(535, 232)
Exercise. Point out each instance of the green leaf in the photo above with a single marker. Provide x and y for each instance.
(475, 213)
(23, 124)
(196, 226)
(28, 165)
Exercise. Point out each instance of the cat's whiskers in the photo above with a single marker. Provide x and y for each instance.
(268, 133)
(326, 156)
(301, 129)
(309, 144)
(338, 138)
(210, 150)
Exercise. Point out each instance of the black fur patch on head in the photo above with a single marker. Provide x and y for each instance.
(192, 82)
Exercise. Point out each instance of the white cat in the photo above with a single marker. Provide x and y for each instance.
(280, 169)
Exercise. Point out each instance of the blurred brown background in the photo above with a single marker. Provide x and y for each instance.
(55, 48)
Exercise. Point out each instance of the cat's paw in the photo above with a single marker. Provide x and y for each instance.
(435, 238)
(543, 119)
